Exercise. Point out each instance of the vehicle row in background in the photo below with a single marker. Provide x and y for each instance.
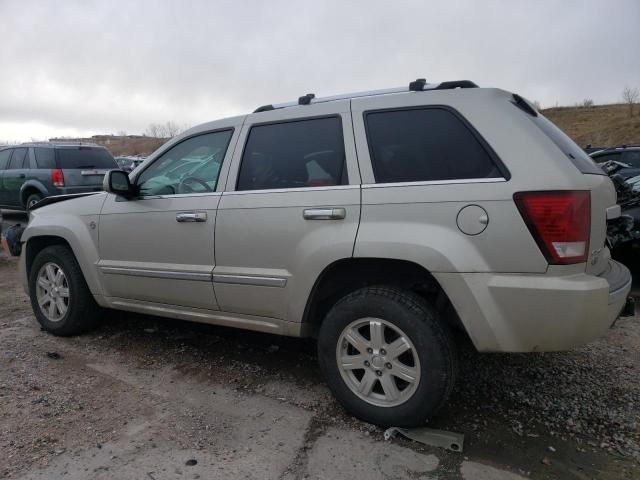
(628, 155)
(128, 164)
(33, 171)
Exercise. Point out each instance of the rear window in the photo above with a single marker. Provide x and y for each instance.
(69, 158)
(606, 157)
(632, 157)
(426, 144)
(578, 157)
(45, 157)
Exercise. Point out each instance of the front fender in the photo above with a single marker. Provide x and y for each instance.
(80, 232)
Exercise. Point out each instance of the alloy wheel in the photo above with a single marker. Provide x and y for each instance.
(378, 362)
(52, 292)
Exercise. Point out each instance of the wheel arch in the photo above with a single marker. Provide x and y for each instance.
(29, 187)
(349, 274)
(35, 239)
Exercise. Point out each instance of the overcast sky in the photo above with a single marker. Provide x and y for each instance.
(82, 67)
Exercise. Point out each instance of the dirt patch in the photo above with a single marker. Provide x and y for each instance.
(141, 396)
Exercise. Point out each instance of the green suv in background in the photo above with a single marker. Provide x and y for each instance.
(30, 172)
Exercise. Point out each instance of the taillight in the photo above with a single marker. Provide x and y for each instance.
(560, 223)
(57, 177)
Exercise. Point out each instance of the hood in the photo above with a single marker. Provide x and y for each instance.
(76, 204)
(60, 198)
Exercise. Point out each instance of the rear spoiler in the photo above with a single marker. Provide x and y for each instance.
(59, 198)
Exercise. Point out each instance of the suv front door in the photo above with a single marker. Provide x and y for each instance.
(14, 176)
(5, 155)
(159, 247)
(290, 208)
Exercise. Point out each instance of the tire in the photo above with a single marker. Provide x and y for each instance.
(32, 200)
(82, 313)
(431, 357)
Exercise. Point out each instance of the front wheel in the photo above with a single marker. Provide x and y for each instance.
(60, 297)
(387, 356)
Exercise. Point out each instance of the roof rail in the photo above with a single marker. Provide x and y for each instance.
(418, 85)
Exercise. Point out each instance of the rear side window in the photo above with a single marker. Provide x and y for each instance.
(303, 153)
(18, 159)
(425, 144)
(4, 158)
(85, 157)
(45, 157)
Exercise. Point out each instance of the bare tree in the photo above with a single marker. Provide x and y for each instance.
(587, 102)
(536, 104)
(630, 97)
(154, 130)
(163, 130)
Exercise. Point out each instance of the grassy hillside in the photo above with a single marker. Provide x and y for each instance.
(602, 125)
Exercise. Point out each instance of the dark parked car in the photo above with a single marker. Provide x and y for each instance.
(627, 154)
(30, 172)
(128, 164)
(589, 149)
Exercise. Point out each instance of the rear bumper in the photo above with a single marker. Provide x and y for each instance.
(527, 313)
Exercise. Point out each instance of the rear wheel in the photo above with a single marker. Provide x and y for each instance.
(387, 356)
(60, 297)
(32, 200)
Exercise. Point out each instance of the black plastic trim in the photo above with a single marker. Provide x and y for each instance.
(456, 84)
(264, 108)
(523, 105)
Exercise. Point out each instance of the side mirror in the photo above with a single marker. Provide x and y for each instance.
(117, 182)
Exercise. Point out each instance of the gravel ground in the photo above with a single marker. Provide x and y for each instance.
(153, 383)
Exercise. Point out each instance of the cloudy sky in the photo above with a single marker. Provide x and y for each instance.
(83, 67)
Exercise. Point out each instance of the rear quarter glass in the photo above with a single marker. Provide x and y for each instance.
(573, 152)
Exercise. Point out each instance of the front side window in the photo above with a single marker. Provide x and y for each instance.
(191, 166)
(4, 158)
(302, 153)
(427, 144)
(18, 159)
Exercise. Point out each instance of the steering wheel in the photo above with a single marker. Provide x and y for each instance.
(183, 187)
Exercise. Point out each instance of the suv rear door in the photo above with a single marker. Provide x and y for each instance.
(290, 208)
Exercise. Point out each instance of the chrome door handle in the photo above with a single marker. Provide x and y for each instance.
(191, 217)
(324, 213)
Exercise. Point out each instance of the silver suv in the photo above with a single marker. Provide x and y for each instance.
(377, 222)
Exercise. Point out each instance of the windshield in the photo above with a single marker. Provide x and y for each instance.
(85, 157)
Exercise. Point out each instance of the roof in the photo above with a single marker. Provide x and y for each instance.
(58, 144)
(418, 85)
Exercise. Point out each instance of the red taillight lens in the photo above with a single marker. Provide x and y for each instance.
(560, 223)
(57, 177)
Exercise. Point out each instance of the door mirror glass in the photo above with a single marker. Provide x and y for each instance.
(117, 182)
